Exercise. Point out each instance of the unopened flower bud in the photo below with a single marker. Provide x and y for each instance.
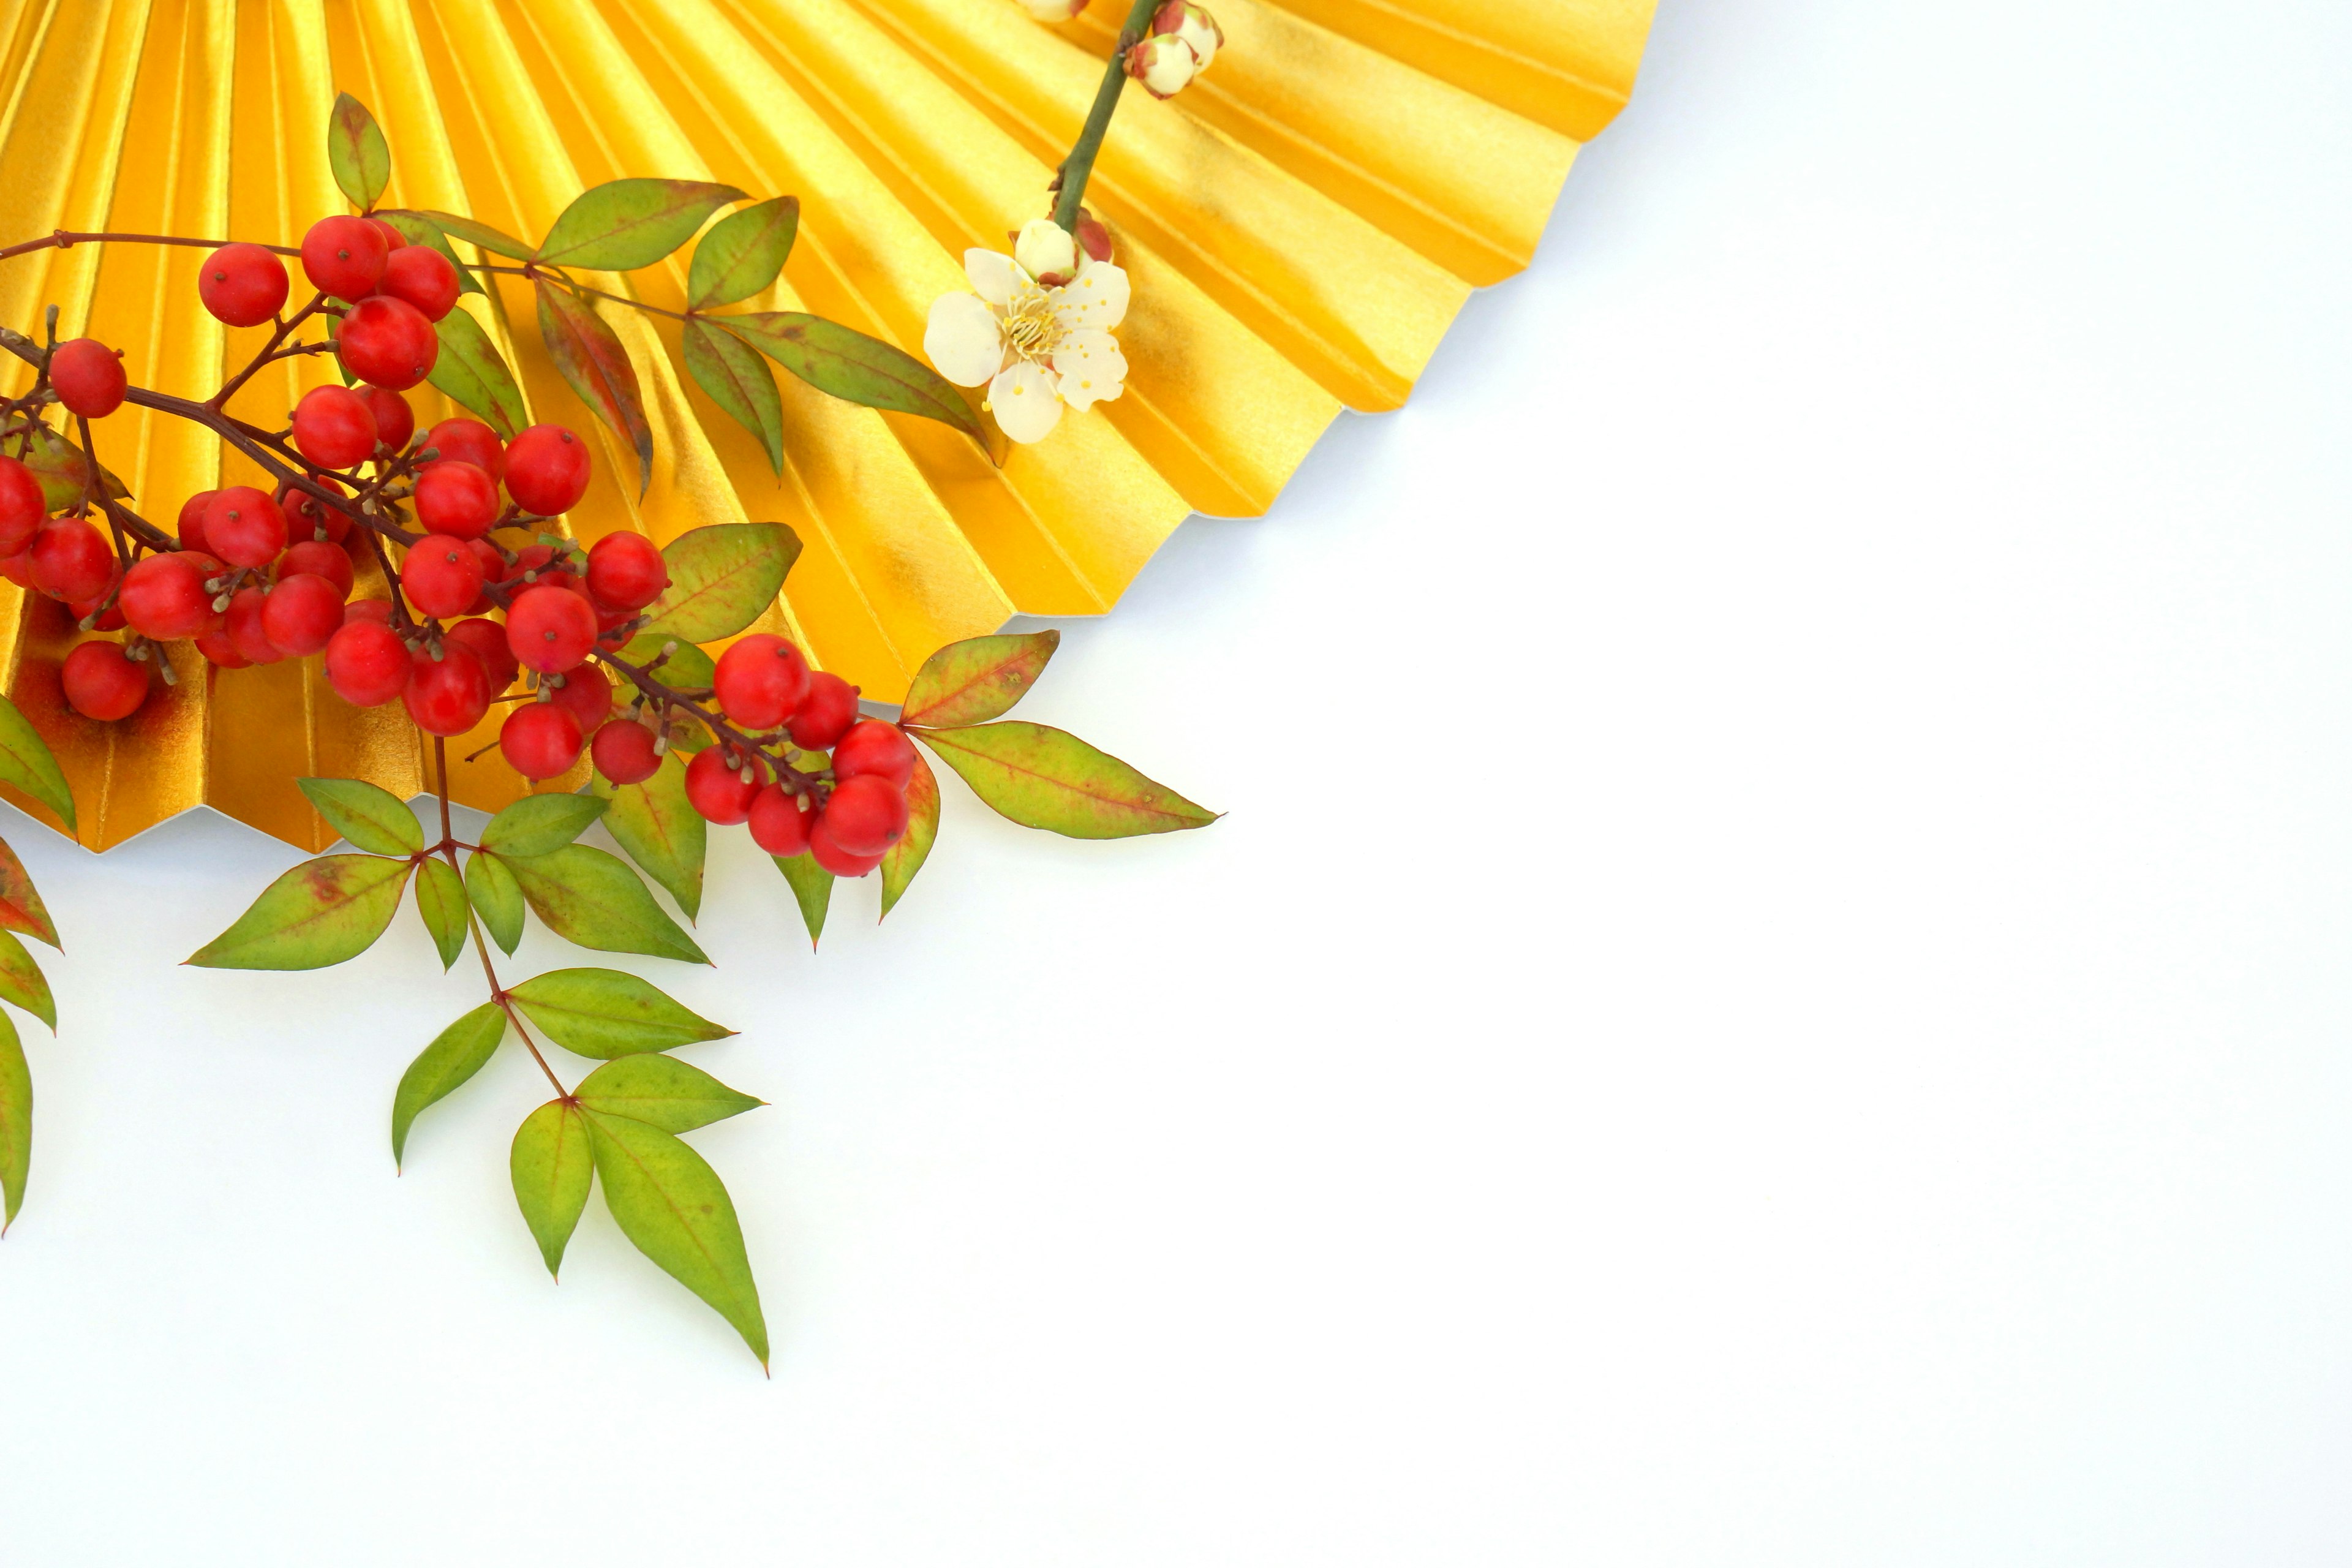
(1046, 252)
(1052, 11)
(1092, 237)
(1191, 21)
(1163, 64)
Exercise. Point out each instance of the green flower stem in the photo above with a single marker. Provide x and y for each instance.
(1080, 166)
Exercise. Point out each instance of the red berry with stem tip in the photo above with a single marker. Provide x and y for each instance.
(825, 713)
(71, 560)
(457, 499)
(540, 740)
(494, 568)
(547, 469)
(441, 576)
(97, 619)
(877, 748)
(624, 751)
(217, 647)
(586, 695)
(866, 815)
(87, 377)
(717, 789)
(334, 428)
(423, 277)
(828, 853)
(367, 664)
(625, 572)
(549, 628)
(192, 520)
(308, 517)
(489, 641)
(781, 821)
(164, 596)
(395, 421)
(761, 680)
(103, 682)
(463, 440)
(343, 257)
(244, 527)
(242, 284)
(387, 341)
(23, 507)
(392, 238)
(301, 614)
(247, 631)
(19, 568)
(318, 559)
(376, 610)
(447, 696)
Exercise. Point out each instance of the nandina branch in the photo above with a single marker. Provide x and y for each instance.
(65, 239)
(539, 274)
(474, 927)
(671, 698)
(1080, 166)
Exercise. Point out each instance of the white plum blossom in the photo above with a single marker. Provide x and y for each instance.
(1035, 346)
(1163, 64)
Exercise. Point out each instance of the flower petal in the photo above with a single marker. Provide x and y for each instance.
(994, 274)
(1023, 402)
(1096, 298)
(963, 341)
(1091, 366)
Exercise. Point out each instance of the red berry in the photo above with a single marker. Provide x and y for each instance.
(192, 520)
(395, 421)
(624, 751)
(549, 628)
(244, 527)
(217, 647)
(830, 855)
(457, 499)
(88, 377)
(23, 507)
(874, 747)
(387, 341)
(781, 821)
(540, 740)
(625, 572)
(103, 682)
(376, 610)
(422, 275)
(489, 641)
(343, 256)
(717, 789)
(333, 426)
(308, 517)
(164, 596)
(71, 560)
(242, 284)
(761, 681)
(865, 815)
(320, 559)
(367, 664)
(825, 713)
(392, 238)
(301, 614)
(447, 696)
(441, 576)
(92, 619)
(494, 569)
(18, 568)
(547, 469)
(246, 628)
(587, 696)
(463, 440)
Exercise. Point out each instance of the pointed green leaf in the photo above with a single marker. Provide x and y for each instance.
(497, 897)
(441, 900)
(742, 253)
(854, 367)
(322, 913)
(656, 828)
(63, 471)
(473, 374)
(811, 887)
(626, 224)
(15, 1124)
(1048, 778)
(722, 578)
(418, 229)
(672, 1206)
(541, 824)
(974, 681)
(552, 1164)
(372, 819)
(456, 1054)
(688, 666)
(905, 858)
(593, 360)
(356, 151)
(482, 235)
(739, 382)
(604, 1013)
(661, 1091)
(23, 984)
(20, 904)
(26, 763)
(588, 896)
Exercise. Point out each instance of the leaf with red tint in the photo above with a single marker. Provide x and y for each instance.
(20, 906)
(1048, 778)
(974, 681)
(593, 360)
(907, 857)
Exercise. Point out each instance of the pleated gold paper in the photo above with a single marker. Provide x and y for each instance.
(1301, 226)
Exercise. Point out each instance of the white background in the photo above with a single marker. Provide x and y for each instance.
(1774, 991)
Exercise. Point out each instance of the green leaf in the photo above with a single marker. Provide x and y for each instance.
(15, 1124)
(20, 905)
(905, 858)
(63, 469)
(1048, 778)
(551, 1165)
(357, 151)
(441, 900)
(656, 828)
(688, 665)
(497, 897)
(604, 1013)
(739, 382)
(26, 763)
(480, 234)
(974, 681)
(456, 1054)
(811, 887)
(661, 1091)
(541, 824)
(593, 360)
(722, 578)
(672, 1206)
(742, 253)
(855, 368)
(23, 984)
(588, 896)
(322, 913)
(418, 229)
(471, 372)
(372, 819)
(626, 224)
